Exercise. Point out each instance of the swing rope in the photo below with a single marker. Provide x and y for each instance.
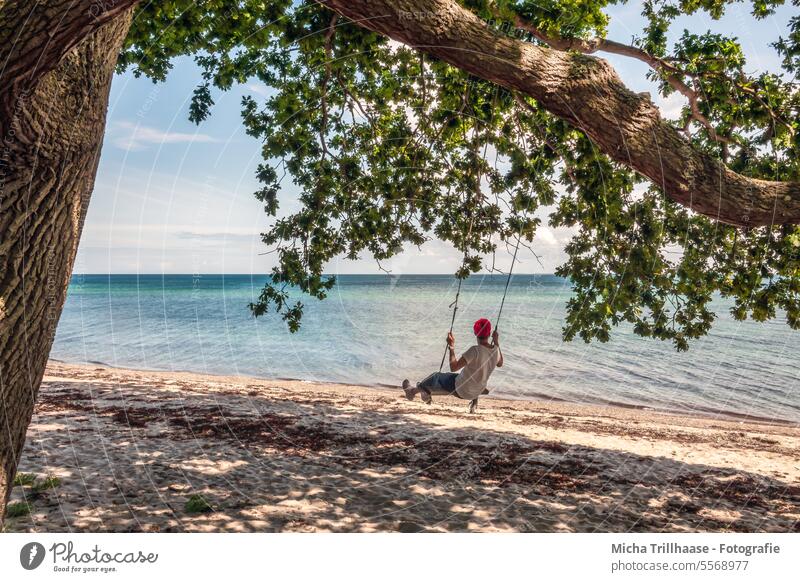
(508, 282)
(454, 306)
(473, 405)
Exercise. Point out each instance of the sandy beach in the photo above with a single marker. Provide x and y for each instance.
(130, 448)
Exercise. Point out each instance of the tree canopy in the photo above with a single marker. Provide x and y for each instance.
(391, 145)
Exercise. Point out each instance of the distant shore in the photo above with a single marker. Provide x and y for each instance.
(177, 451)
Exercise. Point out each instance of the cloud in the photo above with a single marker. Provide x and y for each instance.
(260, 89)
(670, 106)
(545, 235)
(131, 136)
(219, 237)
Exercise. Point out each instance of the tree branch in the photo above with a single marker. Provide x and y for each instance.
(328, 57)
(670, 73)
(586, 92)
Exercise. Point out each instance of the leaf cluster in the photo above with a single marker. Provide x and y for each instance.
(390, 148)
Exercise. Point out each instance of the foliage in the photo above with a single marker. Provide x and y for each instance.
(197, 504)
(37, 486)
(391, 147)
(19, 509)
(23, 479)
(50, 482)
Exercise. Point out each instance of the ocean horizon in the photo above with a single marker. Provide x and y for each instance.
(380, 329)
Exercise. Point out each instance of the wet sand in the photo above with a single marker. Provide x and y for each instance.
(130, 449)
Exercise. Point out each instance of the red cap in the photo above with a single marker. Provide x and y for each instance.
(482, 328)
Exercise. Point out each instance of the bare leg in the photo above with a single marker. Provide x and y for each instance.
(410, 391)
(442, 383)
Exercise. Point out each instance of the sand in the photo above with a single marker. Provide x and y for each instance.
(130, 448)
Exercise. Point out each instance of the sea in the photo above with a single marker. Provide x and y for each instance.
(379, 329)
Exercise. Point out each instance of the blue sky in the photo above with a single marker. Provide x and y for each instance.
(172, 197)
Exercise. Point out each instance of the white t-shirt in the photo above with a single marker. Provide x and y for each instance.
(481, 362)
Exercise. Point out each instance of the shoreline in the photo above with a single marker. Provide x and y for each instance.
(111, 449)
(535, 397)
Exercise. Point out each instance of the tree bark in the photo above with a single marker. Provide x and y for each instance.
(586, 92)
(35, 36)
(50, 151)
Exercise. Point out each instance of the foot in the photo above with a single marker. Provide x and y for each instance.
(473, 406)
(425, 395)
(410, 392)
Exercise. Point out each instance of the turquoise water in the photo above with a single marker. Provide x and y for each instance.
(376, 329)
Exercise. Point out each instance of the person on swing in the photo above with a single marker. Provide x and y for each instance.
(476, 365)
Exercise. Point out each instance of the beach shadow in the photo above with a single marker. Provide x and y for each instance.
(130, 457)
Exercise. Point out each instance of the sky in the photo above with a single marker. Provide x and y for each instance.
(173, 197)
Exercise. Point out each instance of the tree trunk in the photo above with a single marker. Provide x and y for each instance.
(586, 92)
(50, 150)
